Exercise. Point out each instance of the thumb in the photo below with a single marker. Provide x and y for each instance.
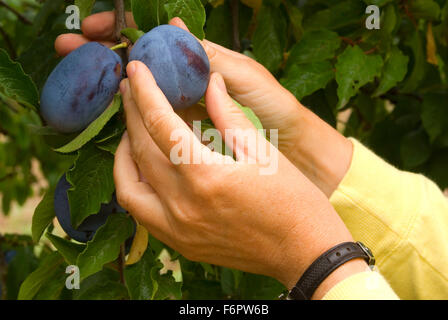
(237, 131)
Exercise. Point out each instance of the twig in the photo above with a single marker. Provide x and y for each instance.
(3, 275)
(120, 24)
(18, 14)
(9, 43)
(121, 263)
(235, 25)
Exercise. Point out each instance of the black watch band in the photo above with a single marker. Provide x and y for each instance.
(321, 268)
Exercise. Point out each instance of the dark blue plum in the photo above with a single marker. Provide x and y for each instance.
(177, 61)
(81, 87)
(90, 225)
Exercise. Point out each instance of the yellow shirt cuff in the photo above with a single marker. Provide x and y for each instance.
(368, 285)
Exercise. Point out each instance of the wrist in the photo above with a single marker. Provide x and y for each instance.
(320, 151)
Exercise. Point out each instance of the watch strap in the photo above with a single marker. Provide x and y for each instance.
(323, 266)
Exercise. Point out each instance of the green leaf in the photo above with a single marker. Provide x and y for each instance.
(304, 79)
(110, 145)
(103, 285)
(415, 149)
(149, 14)
(69, 250)
(14, 83)
(418, 70)
(269, 39)
(46, 270)
(85, 7)
(92, 182)
(339, 14)
(315, 46)
(105, 245)
(132, 34)
(138, 277)
(250, 115)
(167, 287)
(192, 12)
(354, 69)
(94, 128)
(43, 215)
(435, 114)
(395, 69)
(425, 9)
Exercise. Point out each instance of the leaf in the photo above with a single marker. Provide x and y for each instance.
(425, 9)
(132, 34)
(92, 182)
(14, 83)
(431, 48)
(105, 245)
(139, 245)
(69, 250)
(250, 115)
(94, 128)
(43, 215)
(315, 46)
(418, 70)
(269, 38)
(167, 287)
(338, 15)
(395, 69)
(148, 14)
(85, 7)
(37, 278)
(415, 149)
(354, 69)
(138, 277)
(192, 12)
(435, 114)
(103, 285)
(304, 79)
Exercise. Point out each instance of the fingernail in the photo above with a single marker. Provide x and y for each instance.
(131, 69)
(220, 83)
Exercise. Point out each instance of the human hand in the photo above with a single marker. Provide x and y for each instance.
(224, 214)
(313, 146)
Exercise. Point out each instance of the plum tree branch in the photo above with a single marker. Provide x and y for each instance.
(18, 14)
(234, 4)
(120, 24)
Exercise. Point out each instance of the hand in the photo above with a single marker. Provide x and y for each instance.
(313, 146)
(224, 214)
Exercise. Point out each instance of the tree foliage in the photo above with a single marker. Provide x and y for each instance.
(386, 87)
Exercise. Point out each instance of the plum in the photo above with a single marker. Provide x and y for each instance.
(81, 87)
(90, 225)
(177, 61)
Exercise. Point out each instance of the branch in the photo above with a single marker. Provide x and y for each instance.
(9, 43)
(120, 24)
(121, 263)
(235, 24)
(18, 14)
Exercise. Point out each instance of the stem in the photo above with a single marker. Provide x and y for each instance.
(3, 275)
(9, 44)
(235, 24)
(121, 263)
(18, 14)
(120, 46)
(120, 24)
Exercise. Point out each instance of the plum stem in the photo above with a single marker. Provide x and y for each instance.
(120, 46)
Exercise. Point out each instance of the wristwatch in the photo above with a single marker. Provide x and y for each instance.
(321, 268)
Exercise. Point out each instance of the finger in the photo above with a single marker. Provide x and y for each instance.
(152, 163)
(161, 122)
(239, 133)
(178, 22)
(66, 43)
(137, 197)
(101, 26)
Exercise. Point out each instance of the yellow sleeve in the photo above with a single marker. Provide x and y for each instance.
(403, 218)
(368, 285)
